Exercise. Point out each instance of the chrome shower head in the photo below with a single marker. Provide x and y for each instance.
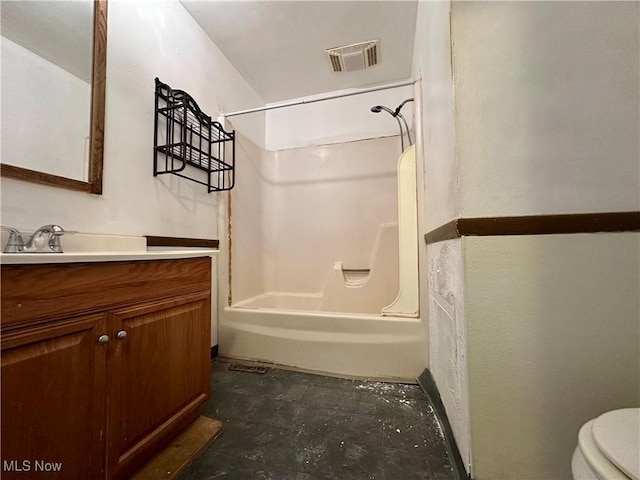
(379, 108)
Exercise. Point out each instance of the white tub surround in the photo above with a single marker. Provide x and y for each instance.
(407, 303)
(368, 346)
(324, 332)
(313, 253)
(352, 289)
(347, 289)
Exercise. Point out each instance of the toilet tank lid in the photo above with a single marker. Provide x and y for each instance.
(617, 435)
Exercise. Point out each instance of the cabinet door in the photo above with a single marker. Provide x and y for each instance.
(53, 400)
(158, 375)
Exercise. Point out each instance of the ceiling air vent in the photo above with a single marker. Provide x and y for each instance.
(354, 57)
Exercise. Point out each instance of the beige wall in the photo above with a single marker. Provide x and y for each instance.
(546, 121)
(553, 341)
(547, 110)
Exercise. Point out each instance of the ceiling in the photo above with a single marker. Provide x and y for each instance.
(278, 46)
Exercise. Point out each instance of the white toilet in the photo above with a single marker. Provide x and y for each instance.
(609, 447)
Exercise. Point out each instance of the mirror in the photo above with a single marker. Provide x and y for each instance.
(53, 91)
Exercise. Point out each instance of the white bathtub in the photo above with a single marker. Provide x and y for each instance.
(360, 345)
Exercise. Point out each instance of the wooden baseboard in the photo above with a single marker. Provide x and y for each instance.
(181, 451)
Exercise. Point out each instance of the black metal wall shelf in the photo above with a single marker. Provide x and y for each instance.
(187, 143)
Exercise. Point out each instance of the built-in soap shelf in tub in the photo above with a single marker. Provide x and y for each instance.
(354, 277)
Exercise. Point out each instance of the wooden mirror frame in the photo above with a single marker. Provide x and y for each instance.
(96, 135)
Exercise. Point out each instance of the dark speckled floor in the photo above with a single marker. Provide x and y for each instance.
(290, 425)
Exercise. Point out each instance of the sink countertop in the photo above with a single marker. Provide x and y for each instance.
(107, 256)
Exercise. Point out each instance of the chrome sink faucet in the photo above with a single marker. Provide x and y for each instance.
(45, 239)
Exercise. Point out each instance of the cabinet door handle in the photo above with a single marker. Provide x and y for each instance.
(103, 338)
(121, 334)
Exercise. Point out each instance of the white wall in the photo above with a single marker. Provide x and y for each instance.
(547, 106)
(547, 122)
(442, 273)
(553, 337)
(147, 38)
(339, 120)
(421, 213)
(432, 63)
(45, 114)
(448, 337)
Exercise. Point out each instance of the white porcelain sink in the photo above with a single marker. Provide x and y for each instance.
(103, 248)
(112, 256)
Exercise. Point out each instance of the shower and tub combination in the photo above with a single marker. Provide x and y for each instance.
(353, 307)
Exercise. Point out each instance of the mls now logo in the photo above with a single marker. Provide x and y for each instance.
(27, 466)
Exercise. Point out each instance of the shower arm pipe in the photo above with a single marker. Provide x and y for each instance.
(314, 100)
(406, 126)
(401, 135)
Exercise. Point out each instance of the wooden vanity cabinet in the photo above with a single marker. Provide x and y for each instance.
(158, 376)
(102, 363)
(53, 399)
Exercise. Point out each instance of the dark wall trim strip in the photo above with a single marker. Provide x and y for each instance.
(214, 351)
(181, 242)
(428, 385)
(448, 231)
(537, 225)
